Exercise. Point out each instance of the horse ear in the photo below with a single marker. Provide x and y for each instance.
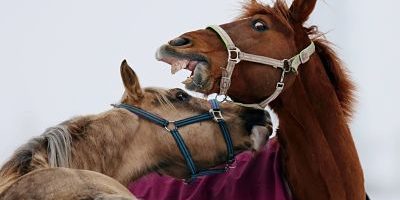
(300, 10)
(131, 82)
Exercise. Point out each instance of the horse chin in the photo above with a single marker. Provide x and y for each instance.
(200, 80)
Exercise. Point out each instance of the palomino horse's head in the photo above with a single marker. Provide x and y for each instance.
(271, 31)
(248, 127)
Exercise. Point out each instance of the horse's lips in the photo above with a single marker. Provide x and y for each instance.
(178, 63)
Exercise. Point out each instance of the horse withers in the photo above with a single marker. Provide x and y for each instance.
(267, 56)
(127, 142)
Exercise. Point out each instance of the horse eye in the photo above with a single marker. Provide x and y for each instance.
(182, 96)
(259, 26)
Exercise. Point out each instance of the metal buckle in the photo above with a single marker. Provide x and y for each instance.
(286, 65)
(233, 55)
(216, 114)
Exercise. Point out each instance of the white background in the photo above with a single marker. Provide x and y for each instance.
(59, 59)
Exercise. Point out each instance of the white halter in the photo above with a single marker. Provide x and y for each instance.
(235, 56)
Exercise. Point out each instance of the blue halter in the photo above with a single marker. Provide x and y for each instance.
(214, 114)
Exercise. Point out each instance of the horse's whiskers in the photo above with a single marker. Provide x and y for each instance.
(161, 96)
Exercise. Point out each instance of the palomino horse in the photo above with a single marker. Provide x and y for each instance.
(125, 145)
(267, 56)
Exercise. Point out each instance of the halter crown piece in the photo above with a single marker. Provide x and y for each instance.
(235, 56)
(173, 126)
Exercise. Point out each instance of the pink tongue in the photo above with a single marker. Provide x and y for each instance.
(178, 65)
(192, 65)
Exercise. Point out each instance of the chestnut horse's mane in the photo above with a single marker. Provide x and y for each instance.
(335, 70)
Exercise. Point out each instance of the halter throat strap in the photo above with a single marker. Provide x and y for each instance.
(235, 55)
(173, 126)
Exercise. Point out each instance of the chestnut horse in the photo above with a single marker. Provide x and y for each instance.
(125, 146)
(274, 59)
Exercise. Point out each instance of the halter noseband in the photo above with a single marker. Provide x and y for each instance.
(173, 126)
(235, 56)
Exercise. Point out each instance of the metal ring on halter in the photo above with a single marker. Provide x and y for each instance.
(233, 55)
(166, 127)
(286, 66)
(216, 114)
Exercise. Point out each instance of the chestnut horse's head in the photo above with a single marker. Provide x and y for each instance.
(275, 31)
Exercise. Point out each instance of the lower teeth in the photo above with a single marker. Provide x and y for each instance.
(188, 80)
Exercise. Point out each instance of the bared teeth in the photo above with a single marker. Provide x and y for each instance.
(188, 80)
(178, 65)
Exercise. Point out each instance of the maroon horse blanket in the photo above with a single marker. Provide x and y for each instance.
(253, 178)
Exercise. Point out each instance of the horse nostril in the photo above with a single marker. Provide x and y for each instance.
(180, 41)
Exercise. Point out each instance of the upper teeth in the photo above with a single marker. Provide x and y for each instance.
(178, 65)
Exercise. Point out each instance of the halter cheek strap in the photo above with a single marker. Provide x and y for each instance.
(235, 56)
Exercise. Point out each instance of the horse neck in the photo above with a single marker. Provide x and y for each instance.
(107, 143)
(113, 145)
(319, 154)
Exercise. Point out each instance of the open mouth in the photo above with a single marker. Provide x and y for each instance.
(195, 63)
